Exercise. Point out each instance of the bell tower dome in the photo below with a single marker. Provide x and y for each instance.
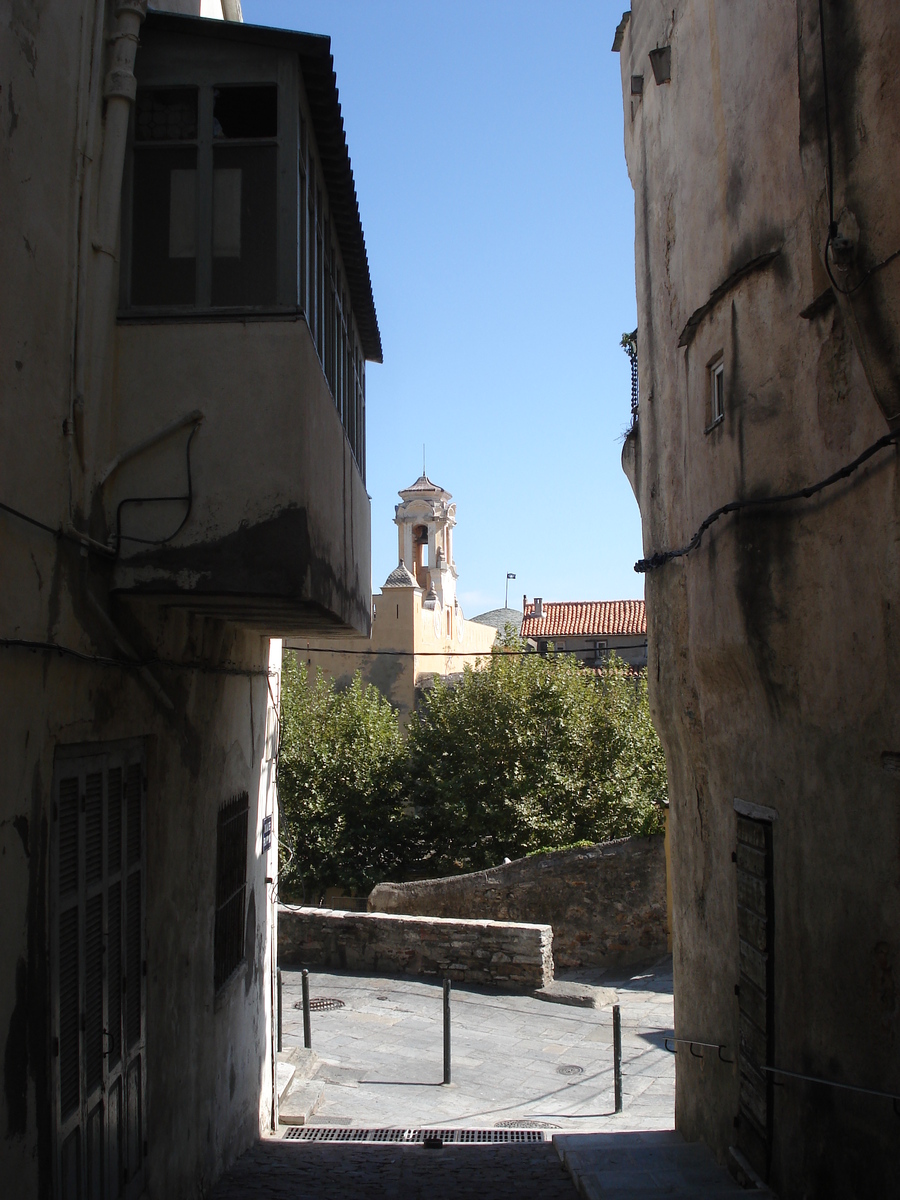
(425, 521)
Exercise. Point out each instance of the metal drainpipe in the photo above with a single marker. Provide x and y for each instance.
(92, 54)
(119, 90)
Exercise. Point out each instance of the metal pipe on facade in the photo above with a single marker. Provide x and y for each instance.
(307, 1030)
(92, 378)
(194, 417)
(280, 1000)
(119, 90)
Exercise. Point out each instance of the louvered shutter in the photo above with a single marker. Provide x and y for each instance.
(97, 964)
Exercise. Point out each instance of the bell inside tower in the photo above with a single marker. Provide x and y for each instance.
(420, 554)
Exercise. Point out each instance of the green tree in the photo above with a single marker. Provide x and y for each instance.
(530, 751)
(339, 785)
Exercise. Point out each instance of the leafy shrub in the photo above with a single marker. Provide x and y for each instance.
(525, 753)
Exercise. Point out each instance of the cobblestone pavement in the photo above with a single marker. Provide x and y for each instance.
(278, 1170)
(514, 1058)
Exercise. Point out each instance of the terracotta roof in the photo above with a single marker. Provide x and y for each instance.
(424, 484)
(586, 618)
(399, 577)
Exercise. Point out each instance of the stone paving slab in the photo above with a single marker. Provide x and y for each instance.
(381, 1054)
(643, 1167)
(278, 1170)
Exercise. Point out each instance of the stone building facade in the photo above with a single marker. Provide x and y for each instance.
(764, 148)
(186, 315)
(418, 627)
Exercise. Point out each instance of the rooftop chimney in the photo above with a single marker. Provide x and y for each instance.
(539, 608)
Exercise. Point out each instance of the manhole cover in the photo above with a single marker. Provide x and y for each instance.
(320, 1004)
(526, 1125)
(569, 1069)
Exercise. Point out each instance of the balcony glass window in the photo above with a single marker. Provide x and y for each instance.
(164, 254)
(191, 223)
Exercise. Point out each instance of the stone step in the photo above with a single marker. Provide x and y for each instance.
(581, 995)
(305, 1062)
(644, 1166)
(294, 1065)
(300, 1101)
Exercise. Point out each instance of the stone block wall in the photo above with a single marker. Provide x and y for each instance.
(606, 903)
(514, 957)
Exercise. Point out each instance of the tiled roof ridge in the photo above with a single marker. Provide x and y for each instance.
(586, 617)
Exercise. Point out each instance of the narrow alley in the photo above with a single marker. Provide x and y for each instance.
(530, 1109)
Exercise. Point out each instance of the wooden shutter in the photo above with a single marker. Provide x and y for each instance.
(97, 961)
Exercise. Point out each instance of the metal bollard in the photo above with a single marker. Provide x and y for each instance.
(617, 1055)
(307, 1032)
(446, 1031)
(280, 999)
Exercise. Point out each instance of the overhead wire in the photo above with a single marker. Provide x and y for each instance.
(493, 651)
(651, 563)
(132, 664)
(832, 223)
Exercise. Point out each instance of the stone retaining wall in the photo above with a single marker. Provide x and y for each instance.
(515, 957)
(606, 903)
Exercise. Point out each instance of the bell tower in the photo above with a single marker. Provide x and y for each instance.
(425, 521)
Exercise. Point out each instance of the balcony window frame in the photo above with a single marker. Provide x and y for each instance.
(163, 65)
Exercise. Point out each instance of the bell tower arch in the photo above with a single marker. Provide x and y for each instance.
(425, 519)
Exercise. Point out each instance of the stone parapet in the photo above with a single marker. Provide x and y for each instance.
(513, 956)
(606, 903)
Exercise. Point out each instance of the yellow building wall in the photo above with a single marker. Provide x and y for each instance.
(406, 650)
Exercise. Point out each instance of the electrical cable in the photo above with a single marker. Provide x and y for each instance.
(32, 520)
(187, 499)
(643, 565)
(832, 224)
(493, 651)
(86, 542)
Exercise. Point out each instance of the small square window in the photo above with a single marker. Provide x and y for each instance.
(716, 392)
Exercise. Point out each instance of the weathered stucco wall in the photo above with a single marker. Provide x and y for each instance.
(280, 522)
(514, 957)
(606, 903)
(773, 650)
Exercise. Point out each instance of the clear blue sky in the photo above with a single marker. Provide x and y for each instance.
(486, 142)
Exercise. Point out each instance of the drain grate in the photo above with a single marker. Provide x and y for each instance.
(321, 1004)
(526, 1125)
(569, 1069)
(415, 1137)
